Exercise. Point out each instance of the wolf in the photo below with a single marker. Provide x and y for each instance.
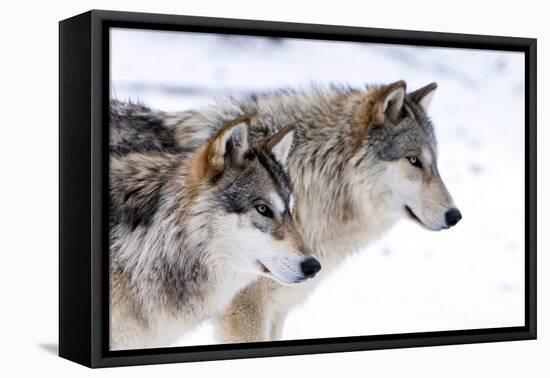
(191, 225)
(361, 160)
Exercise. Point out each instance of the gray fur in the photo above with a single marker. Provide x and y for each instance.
(350, 172)
(175, 252)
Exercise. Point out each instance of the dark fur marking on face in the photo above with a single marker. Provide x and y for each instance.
(393, 142)
(277, 173)
(247, 189)
(239, 195)
(262, 225)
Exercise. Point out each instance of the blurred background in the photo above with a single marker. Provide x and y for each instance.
(411, 280)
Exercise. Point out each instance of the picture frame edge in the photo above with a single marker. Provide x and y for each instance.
(82, 336)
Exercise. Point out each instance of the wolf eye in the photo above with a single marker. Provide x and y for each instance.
(264, 210)
(415, 161)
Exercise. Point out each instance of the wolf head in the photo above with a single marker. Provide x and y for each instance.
(397, 148)
(252, 204)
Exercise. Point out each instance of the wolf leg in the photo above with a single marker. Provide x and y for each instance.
(277, 326)
(247, 318)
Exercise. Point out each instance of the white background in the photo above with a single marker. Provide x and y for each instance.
(29, 188)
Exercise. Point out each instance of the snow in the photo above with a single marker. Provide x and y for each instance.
(411, 280)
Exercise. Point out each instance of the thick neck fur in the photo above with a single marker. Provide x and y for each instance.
(347, 211)
(321, 163)
(325, 191)
(161, 265)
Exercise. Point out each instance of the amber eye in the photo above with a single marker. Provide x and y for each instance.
(414, 161)
(264, 210)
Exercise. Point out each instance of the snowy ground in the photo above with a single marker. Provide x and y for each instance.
(411, 280)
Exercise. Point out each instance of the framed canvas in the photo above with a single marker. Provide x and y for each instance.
(235, 188)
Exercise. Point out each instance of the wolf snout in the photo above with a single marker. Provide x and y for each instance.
(310, 267)
(452, 216)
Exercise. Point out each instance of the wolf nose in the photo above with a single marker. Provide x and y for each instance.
(452, 216)
(310, 267)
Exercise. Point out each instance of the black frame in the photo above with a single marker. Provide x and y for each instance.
(83, 181)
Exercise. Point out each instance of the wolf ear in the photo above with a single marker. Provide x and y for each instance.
(390, 101)
(280, 143)
(424, 96)
(230, 144)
